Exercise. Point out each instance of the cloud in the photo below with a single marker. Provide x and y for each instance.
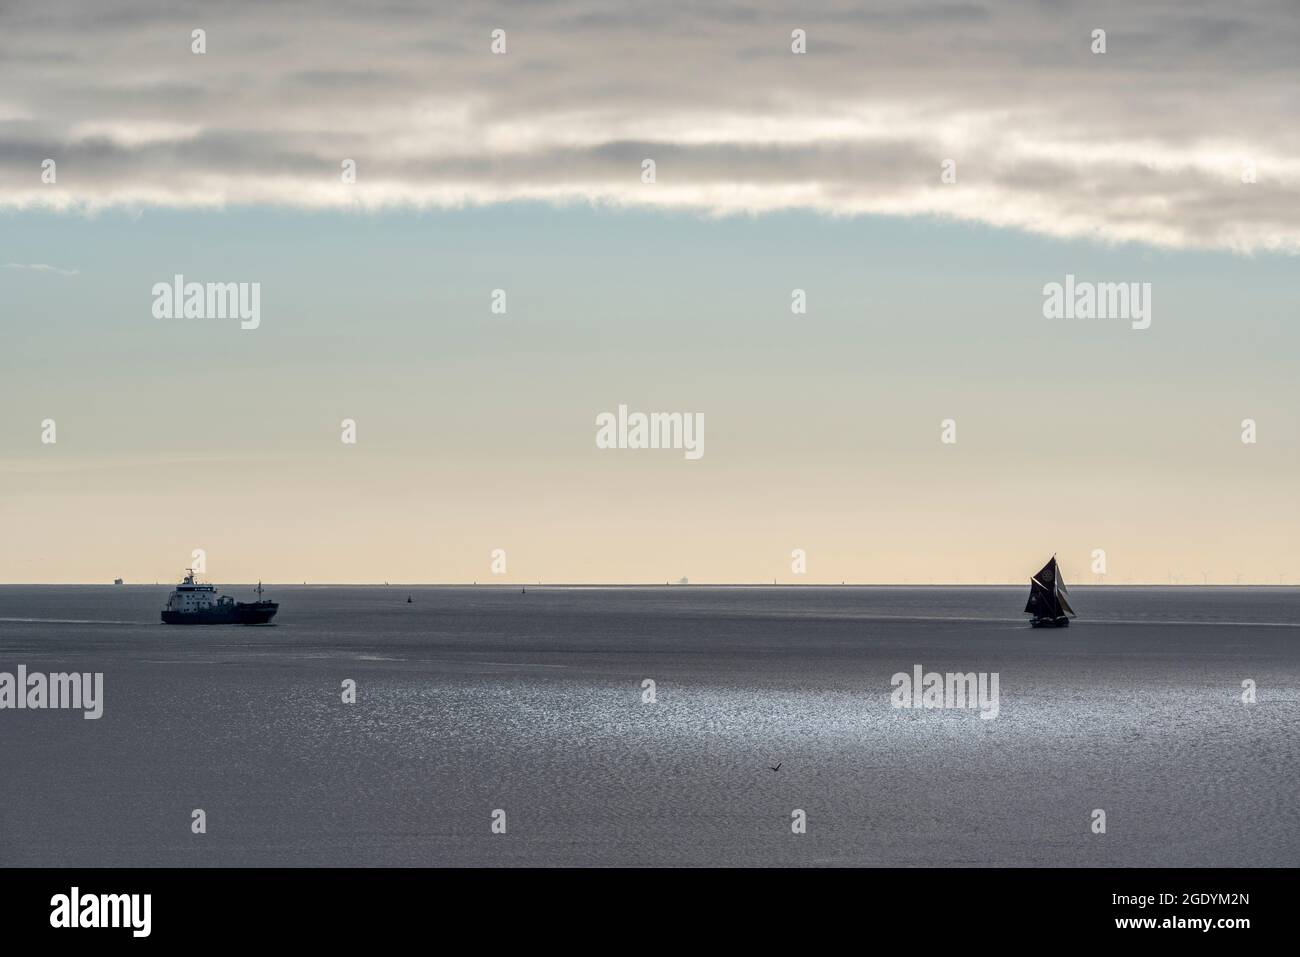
(1149, 142)
(41, 267)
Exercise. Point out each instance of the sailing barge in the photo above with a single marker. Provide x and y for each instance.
(1049, 602)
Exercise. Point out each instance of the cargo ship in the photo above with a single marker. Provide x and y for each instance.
(193, 603)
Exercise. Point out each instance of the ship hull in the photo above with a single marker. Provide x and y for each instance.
(1061, 622)
(241, 613)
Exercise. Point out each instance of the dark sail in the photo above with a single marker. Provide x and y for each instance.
(1048, 597)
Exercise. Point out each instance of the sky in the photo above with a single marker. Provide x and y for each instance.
(920, 173)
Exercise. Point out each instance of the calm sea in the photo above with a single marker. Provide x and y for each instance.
(476, 700)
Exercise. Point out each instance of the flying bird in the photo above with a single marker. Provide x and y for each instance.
(777, 768)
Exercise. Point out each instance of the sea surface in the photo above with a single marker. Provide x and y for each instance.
(476, 700)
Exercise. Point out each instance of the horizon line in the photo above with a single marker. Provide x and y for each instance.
(643, 584)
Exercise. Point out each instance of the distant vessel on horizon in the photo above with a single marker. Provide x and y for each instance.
(1048, 599)
(117, 581)
(192, 603)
